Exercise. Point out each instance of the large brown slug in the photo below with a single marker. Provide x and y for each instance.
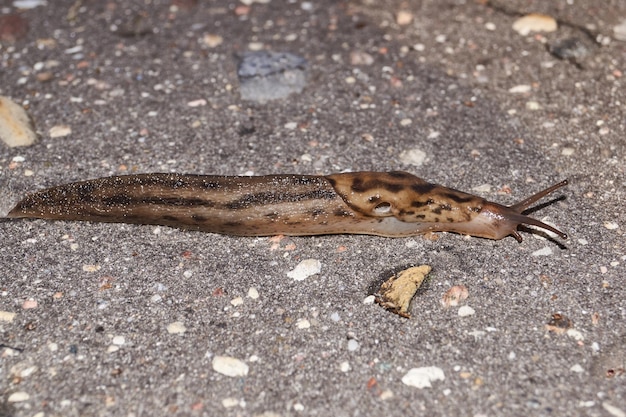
(375, 203)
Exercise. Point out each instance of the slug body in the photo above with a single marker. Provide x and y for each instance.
(376, 203)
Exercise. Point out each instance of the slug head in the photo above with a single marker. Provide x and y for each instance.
(420, 207)
(496, 221)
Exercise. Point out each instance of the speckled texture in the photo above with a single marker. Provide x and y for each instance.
(440, 84)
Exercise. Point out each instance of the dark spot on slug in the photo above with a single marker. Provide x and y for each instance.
(423, 188)
(450, 219)
(342, 213)
(419, 204)
(475, 209)
(117, 200)
(420, 216)
(316, 212)
(169, 218)
(198, 218)
(272, 215)
(374, 199)
(460, 198)
(400, 174)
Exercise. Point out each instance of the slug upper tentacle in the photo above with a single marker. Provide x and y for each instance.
(377, 203)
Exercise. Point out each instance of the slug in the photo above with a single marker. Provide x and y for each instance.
(389, 204)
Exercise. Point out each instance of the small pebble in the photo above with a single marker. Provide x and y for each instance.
(16, 127)
(305, 269)
(335, 317)
(577, 368)
(534, 23)
(353, 345)
(406, 122)
(197, 103)
(619, 31)
(303, 324)
(230, 402)
(404, 17)
(176, 327)
(611, 225)
(212, 40)
(59, 131)
(91, 268)
(229, 366)
(265, 75)
(361, 58)
(465, 311)
(13, 27)
(454, 296)
(570, 48)
(119, 340)
(18, 397)
(415, 157)
(422, 377)
(29, 304)
(575, 334)
(611, 409)
(7, 316)
(29, 4)
(253, 293)
(345, 367)
(546, 251)
(520, 89)
(237, 301)
(369, 299)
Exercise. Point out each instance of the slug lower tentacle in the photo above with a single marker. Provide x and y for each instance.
(376, 203)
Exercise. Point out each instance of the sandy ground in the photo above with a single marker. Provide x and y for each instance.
(131, 320)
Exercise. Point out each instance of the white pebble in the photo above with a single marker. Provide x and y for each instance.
(303, 324)
(575, 334)
(119, 340)
(176, 327)
(519, 89)
(422, 377)
(345, 367)
(229, 366)
(253, 293)
(353, 345)
(577, 368)
(406, 122)
(369, 299)
(59, 131)
(18, 396)
(16, 127)
(613, 410)
(29, 4)
(619, 31)
(237, 301)
(291, 125)
(197, 103)
(465, 311)
(611, 225)
(230, 402)
(335, 317)
(546, 251)
(534, 23)
(7, 316)
(298, 407)
(305, 269)
(414, 157)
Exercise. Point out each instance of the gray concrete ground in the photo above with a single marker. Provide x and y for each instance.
(127, 320)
